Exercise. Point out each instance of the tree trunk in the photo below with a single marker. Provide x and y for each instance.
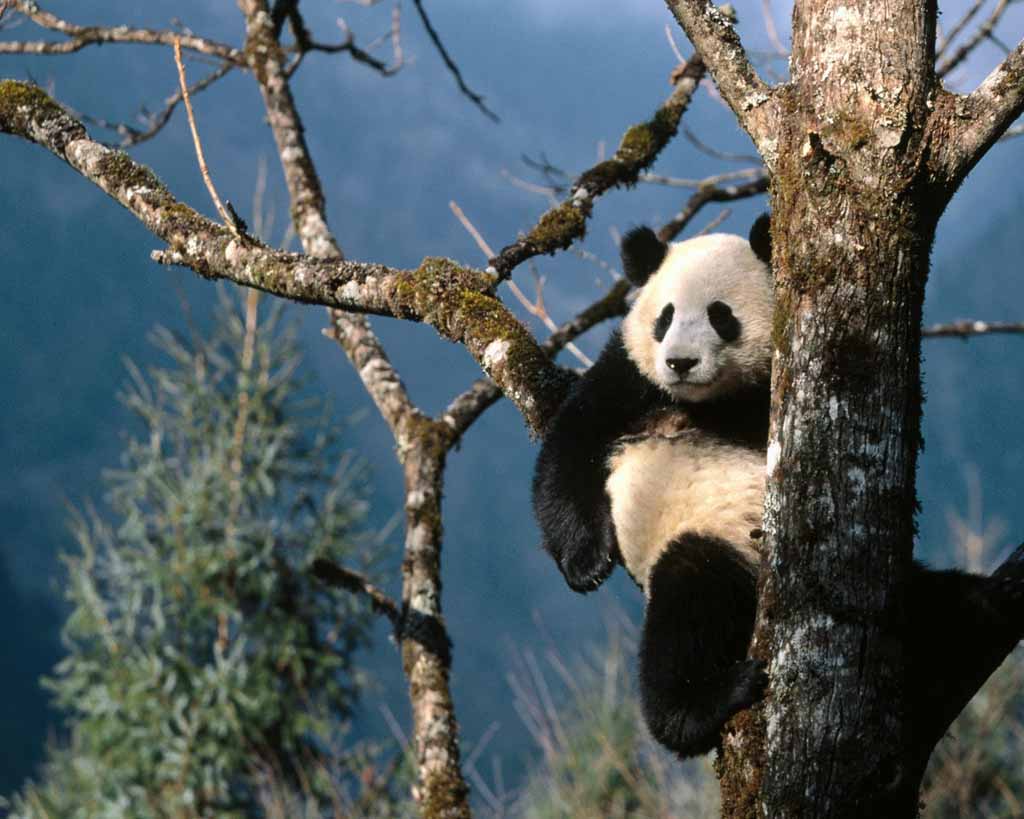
(852, 229)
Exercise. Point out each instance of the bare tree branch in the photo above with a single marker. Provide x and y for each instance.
(640, 146)
(947, 41)
(435, 38)
(719, 46)
(709, 193)
(329, 572)
(456, 300)
(963, 128)
(304, 44)
(81, 36)
(131, 136)
(983, 32)
(966, 328)
(422, 443)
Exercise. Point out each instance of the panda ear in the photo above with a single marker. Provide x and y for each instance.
(761, 238)
(642, 254)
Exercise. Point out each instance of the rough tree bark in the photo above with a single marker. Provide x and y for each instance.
(856, 145)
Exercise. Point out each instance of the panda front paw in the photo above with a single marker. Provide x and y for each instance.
(748, 684)
(586, 571)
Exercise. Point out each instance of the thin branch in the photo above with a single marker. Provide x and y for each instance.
(945, 42)
(229, 219)
(963, 128)
(712, 34)
(562, 224)
(704, 195)
(714, 152)
(329, 572)
(131, 136)
(983, 32)
(966, 328)
(358, 54)
(677, 182)
(435, 38)
(535, 308)
(80, 37)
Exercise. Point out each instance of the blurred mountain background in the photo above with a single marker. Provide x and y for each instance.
(567, 79)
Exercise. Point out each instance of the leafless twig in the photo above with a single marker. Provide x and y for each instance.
(79, 37)
(562, 224)
(536, 307)
(435, 38)
(708, 181)
(714, 152)
(329, 572)
(155, 122)
(966, 328)
(230, 219)
(983, 32)
(710, 193)
(944, 42)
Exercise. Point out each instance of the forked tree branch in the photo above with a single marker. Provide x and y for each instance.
(561, 225)
(963, 128)
(79, 37)
(713, 36)
(983, 32)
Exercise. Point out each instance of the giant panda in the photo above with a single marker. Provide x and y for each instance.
(656, 461)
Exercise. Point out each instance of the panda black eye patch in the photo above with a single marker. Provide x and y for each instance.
(664, 321)
(723, 321)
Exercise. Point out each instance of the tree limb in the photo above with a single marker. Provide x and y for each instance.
(977, 38)
(640, 146)
(719, 46)
(81, 36)
(458, 301)
(966, 328)
(963, 128)
(329, 572)
(709, 193)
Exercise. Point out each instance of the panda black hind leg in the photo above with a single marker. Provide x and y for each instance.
(694, 674)
(958, 628)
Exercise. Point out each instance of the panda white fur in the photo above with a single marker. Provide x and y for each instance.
(656, 461)
(664, 483)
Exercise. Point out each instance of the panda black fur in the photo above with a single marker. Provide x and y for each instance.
(656, 461)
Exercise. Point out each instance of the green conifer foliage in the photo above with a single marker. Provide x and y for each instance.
(208, 673)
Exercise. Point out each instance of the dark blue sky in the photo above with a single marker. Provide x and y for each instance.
(566, 77)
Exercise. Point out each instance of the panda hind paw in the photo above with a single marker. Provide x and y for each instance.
(748, 685)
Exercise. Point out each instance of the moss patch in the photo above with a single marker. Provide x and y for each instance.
(557, 228)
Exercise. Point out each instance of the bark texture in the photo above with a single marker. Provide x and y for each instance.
(864, 148)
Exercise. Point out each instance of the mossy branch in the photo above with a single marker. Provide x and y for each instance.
(458, 301)
(562, 224)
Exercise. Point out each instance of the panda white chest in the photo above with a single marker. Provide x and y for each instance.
(661, 487)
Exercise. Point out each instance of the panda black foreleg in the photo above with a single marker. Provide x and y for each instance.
(958, 629)
(694, 674)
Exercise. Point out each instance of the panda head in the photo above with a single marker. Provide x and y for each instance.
(700, 327)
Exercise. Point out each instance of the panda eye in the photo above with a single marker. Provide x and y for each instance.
(664, 322)
(723, 321)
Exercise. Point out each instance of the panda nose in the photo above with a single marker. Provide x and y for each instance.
(681, 365)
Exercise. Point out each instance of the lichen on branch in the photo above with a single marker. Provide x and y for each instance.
(457, 300)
